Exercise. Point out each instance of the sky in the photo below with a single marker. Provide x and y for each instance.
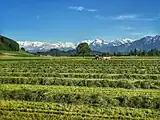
(76, 20)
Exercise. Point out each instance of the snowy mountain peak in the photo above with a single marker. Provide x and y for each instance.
(45, 46)
(150, 39)
(123, 45)
(97, 42)
(127, 40)
(87, 41)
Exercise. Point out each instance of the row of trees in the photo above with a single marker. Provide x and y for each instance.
(152, 52)
(137, 52)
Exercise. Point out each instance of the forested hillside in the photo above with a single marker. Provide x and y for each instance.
(8, 44)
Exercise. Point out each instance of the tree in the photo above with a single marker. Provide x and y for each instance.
(154, 52)
(104, 54)
(23, 49)
(119, 54)
(143, 53)
(115, 54)
(83, 50)
(135, 51)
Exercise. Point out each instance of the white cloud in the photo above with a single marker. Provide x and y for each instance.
(101, 17)
(148, 19)
(81, 8)
(149, 33)
(129, 17)
(92, 10)
(120, 17)
(127, 28)
(124, 17)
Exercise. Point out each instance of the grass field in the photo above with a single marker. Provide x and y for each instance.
(12, 54)
(75, 88)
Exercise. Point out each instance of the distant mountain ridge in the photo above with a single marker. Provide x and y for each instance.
(46, 46)
(124, 45)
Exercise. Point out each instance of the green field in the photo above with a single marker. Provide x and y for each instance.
(76, 88)
(15, 54)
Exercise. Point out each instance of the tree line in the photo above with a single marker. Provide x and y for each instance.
(136, 52)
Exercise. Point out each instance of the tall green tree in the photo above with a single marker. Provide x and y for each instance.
(135, 51)
(83, 50)
(143, 53)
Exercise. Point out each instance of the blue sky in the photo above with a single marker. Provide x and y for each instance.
(75, 20)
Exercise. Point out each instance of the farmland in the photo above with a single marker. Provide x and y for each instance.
(79, 88)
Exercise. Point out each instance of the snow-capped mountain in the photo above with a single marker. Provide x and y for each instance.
(103, 46)
(146, 43)
(86, 41)
(120, 45)
(97, 42)
(120, 42)
(45, 46)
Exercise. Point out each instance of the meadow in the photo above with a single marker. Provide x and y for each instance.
(66, 88)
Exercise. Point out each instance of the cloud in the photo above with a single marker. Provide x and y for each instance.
(148, 19)
(127, 28)
(92, 10)
(101, 17)
(120, 17)
(135, 17)
(81, 8)
(149, 33)
(124, 17)
(132, 17)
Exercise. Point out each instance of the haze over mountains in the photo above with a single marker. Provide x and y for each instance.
(124, 45)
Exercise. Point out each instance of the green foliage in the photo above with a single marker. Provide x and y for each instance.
(152, 52)
(128, 84)
(83, 50)
(23, 49)
(80, 88)
(8, 44)
(35, 93)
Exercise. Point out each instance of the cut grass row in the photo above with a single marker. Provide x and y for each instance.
(71, 66)
(113, 92)
(72, 62)
(87, 70)
(41, 110)
(139, 98)
(115, 83)
(82, 75)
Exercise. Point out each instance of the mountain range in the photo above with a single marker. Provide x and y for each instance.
(123, 45)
